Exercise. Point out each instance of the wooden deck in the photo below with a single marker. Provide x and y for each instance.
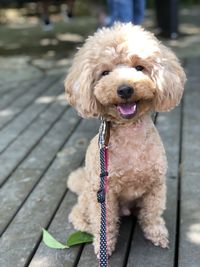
(42, 140)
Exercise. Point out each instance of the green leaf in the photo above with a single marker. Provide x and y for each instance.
(51, 242)
(79, 238)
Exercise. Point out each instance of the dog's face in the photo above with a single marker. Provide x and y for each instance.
(123, 72)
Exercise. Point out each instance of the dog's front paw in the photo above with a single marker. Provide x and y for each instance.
(111, 243)
(158, 235)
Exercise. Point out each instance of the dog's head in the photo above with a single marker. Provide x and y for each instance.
(123, 72)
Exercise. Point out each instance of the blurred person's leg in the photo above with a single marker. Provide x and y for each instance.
(109, 19)
(67, 10)
(167, 17)
(122, 11)
(105, 15)
(139, 10)
(70, 8)
(162, 14)
(125, 10)
(47, 25)
(110, 5)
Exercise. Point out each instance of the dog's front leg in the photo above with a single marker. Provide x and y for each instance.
(112, 212)
(150, 218)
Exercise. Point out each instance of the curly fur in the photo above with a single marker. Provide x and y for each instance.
(137, 161)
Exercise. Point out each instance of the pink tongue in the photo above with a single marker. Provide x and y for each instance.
(127, 109)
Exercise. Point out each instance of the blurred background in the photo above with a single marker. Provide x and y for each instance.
(44, 34)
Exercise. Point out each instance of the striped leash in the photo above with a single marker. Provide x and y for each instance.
(104, 134)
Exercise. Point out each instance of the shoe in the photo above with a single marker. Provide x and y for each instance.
(67, 16)
(47, 25)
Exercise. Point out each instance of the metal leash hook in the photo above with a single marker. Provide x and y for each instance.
(104, 134)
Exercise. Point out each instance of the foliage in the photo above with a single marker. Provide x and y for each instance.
(74, 239)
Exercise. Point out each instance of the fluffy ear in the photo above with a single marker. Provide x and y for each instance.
(78, 86)
(170, 78)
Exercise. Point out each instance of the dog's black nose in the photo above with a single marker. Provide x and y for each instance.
(125, 91)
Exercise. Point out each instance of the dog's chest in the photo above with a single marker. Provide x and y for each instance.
(136, 157)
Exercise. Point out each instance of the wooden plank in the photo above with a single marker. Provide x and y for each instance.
(21, 183)
(88, 258)
(24, 101)
(10, 87)
(20, 240)
(9, 95)
(189, 246)
(142, 252)
(9, 133)
(20, 148)
(60, 229)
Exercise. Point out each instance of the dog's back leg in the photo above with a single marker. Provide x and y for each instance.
(76, 181)
(79, 216)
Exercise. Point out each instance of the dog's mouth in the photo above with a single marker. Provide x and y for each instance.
(127, 110)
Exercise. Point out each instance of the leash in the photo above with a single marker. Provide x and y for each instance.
(104, 134)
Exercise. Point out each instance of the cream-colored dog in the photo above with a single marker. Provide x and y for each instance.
(124, 73)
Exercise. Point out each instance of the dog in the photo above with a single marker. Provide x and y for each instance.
(123, 74)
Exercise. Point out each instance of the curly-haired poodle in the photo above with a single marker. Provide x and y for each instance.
(122, 74)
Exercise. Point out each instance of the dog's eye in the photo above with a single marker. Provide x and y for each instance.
(139, 68)
(105, 72)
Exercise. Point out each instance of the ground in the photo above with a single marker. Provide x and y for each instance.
(26, 48)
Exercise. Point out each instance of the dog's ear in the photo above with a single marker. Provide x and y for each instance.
(170, 78)
(78, 86)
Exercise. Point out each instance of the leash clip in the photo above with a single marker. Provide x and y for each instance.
(101, 196)
(104, 133)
